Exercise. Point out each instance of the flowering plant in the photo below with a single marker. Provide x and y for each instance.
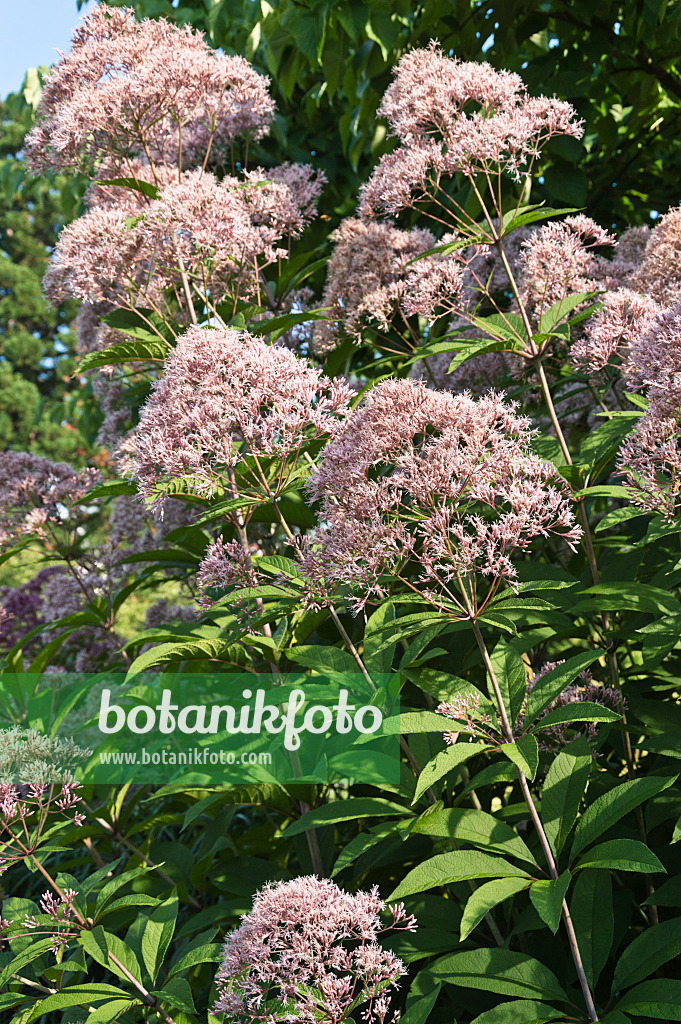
(434, 442)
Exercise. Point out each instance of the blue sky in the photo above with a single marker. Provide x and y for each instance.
(32, 31)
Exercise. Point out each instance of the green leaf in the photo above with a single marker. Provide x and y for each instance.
(592, 917)
(178, 994)
(361, 843)
(547, 899)
(487, 896)
(157, 935)
(498, 970)
(621, 855)
(509, 669)
(111, 1010)
(668, 894)
(473, 349)
(443, 763)
(26, 956)
(531, 216)
(75, 995)
(649, 950)
(635, 597)
(210, 953)
(524, 754)
(610, 807)
(345, 810)
(563, 791)
(617, 516)
(99, 944)
(445, 868)
(555, 681)
(414, 722)
(520, 1011)
(659, 999)
(468, 825)
(135, 899)
(132, 183)
(378, 658)
(582, 711)
(108, 891)
(602, 443)
(418, 1011)
(110, 489)
(278, 325)
(140, 323)
(323, 659)
(154, 350)
(560, 309)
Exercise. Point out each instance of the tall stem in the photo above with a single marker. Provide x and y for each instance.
(543, 839)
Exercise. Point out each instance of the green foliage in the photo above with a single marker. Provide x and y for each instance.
(37, 343)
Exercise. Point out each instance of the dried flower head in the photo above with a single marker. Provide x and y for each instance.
(127, 88)
(224, 396)
(456, 116)
(443, 483)
(308, 952)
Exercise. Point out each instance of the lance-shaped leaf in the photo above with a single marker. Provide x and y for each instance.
(563, 791)
(485, 898)
(547, 899)
(458, 866)
(592, 916)
(649, 950)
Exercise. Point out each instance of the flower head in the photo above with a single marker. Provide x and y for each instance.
(308, 952)
(129, 88)
(659, 271)
(456, 116)
(558, 260)
(650, 461)
(36, 494)
(441, 482)
(370, 280)
(625, 316)
(225, 395)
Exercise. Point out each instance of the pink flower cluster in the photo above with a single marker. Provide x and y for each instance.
(441, 482)
(612, 330)
(218, 233)
(558, 260)
(308, 952)
(225, 396)
(370, 281)
(650, 457)
(455, 116)
(129, 88)
(61, 912)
